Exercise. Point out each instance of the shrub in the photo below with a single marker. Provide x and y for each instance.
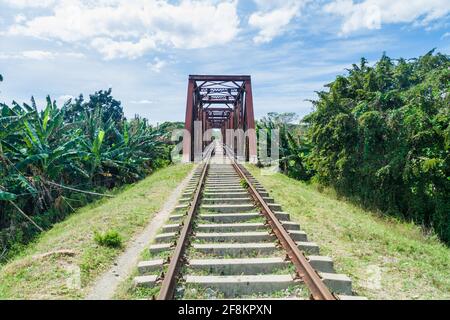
(244, 184)
(88, 145)
(110, 238)
(381, 135)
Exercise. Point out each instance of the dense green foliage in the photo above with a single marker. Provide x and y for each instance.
(381, 136)
(110, 238)
(89, 146)
(294, 146)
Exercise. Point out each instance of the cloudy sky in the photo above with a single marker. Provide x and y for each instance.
(145, 49)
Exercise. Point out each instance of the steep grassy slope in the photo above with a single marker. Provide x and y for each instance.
(386, 259)
(63, 262)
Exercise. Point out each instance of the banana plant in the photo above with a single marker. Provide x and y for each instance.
(44, 151)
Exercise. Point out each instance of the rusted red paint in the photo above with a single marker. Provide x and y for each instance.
(234, 92)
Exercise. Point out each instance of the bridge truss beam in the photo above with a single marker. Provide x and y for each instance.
(219, 102)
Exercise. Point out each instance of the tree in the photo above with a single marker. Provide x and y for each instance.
(381, 134)
(110, 107)
(101, 101)
(88, 146)
(294, 145)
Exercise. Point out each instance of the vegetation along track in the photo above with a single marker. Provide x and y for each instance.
(229, 239)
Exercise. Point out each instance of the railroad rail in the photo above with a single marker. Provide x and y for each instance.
(228, 238)
(168, 285)
(304, 270)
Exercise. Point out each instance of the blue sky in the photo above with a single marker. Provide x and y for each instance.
(145, 49)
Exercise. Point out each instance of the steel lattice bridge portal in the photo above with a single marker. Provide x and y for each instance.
(223, 102)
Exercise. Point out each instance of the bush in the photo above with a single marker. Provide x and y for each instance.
(381, 135)
(244, 184)
(110, 238)
(88, 145)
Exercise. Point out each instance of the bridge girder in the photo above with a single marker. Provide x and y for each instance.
(223, 102)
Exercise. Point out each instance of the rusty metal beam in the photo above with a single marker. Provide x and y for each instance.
(250, 122)
(218, 78)
(189, 123)
(221, 101)
(218, 116)
(217, 109)
(232, 91)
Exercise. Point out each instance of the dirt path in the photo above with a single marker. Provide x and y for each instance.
(106, 285)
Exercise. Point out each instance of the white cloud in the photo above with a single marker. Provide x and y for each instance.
(20, 18)
(130, 28)
(273, 17)
(157, 65)
(39, 55)
(371, 14)
(30, 54)
(144, 101)
(28, 3)
(77, 55)
(111, 49)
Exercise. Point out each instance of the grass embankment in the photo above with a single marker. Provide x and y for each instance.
(386, 258)
(63, 262)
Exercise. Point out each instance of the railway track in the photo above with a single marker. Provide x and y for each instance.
(229, 239)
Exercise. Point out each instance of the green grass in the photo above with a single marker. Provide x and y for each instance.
(43, 271)
(110, 238)
(386, 258)
(128, 291)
